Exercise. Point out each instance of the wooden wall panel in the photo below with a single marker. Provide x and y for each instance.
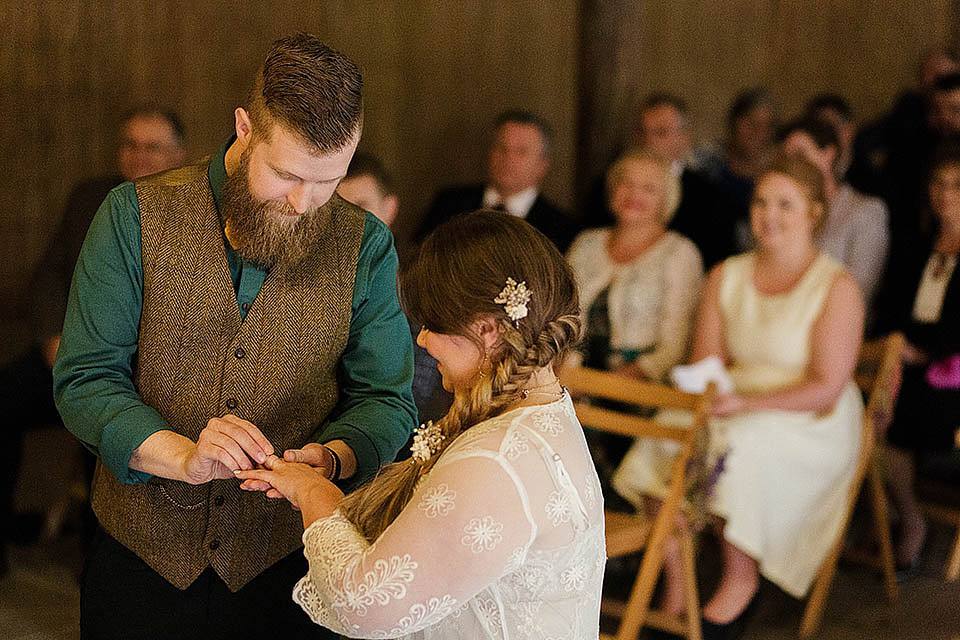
(436, 73)
(707, 50)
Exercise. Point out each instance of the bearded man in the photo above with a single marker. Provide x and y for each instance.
(221, 313)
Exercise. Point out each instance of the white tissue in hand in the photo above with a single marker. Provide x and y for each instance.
(694, 378)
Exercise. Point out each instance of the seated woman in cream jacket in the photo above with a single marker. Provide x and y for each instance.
(639, 283)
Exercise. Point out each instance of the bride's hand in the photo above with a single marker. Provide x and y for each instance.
(298, 483)
(729, 404)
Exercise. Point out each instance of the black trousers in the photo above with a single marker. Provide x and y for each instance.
(122, 597)
(26, 402)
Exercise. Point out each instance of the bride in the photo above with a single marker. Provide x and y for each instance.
(494, 527)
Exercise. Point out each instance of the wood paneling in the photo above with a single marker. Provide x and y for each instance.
(707, 51)
(436, 73)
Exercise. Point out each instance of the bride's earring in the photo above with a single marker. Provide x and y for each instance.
(480, 370)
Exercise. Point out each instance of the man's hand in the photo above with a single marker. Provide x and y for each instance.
(226, 445)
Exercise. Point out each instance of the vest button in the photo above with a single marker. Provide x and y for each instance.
(231, 403)
(245, 306)
(239, 353)
(214, 545)
(218, 501)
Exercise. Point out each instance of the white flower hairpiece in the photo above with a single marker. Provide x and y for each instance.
(514, 299)
(426, 441)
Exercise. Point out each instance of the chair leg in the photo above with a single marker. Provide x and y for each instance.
(881, 526)
(953, 563)
(813, 613)
(688, 556)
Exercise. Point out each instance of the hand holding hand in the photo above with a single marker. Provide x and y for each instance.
(316, 455)
(301, 484)
(226, 445)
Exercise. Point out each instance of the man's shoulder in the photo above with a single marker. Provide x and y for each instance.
(176, 177)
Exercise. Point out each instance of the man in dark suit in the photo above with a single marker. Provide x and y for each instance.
(519, 161)
(706, 214)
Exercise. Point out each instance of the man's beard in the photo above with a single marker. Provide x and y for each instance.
(263, 232)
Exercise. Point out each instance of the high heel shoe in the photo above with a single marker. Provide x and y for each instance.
(733, 629)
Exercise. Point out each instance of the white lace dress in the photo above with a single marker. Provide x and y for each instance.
(503, 539)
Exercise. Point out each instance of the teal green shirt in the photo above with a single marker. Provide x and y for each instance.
(93, 375)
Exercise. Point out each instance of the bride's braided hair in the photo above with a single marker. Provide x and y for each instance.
(460, 268)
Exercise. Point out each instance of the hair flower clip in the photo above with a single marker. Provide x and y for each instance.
(514, 299)
(426, 441)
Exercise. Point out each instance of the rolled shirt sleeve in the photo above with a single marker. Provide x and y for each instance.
(376, 413)
(93, 375)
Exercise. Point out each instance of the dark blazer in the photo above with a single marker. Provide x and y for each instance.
(545, 216)
(47, 298)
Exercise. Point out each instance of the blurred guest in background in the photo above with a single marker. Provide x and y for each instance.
(517, 165)
(705, 213)
(369, 186)
(151, 140)
(786, 320)
(639, 285)
(751, 124)
(854, 230)
(922, 299)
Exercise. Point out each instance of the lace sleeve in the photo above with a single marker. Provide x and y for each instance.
(468, 522)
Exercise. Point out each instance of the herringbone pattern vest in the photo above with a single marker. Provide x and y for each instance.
(198, 359)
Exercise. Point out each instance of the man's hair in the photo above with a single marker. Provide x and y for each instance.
(947, 83)
(822, 132)
(746, 101)
(151, 110)
(833, 102)
(519, 116)
(309, 89)
(365, 164)
(664, 99)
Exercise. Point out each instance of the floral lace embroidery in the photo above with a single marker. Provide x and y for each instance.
(515, 561)
(589, 496)
(482, 534)
(529, 578)
(489, 613)
(572, 578)
(387, 580)
(548, 422)
(421, 616)
(514, 444)
(437, 501)
(558, 508)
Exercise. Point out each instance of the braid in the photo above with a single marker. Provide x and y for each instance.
(455, 279)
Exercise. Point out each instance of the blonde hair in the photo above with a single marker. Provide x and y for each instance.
(671, 182)
(459, 270)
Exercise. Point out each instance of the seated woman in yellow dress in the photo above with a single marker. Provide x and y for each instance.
(787, 322)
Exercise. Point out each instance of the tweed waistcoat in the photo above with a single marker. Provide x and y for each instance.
(197, 358)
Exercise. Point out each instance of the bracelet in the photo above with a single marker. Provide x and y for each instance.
(335, 473)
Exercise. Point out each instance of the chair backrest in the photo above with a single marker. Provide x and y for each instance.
(632, 408)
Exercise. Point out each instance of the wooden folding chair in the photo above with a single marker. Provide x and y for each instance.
(628, 533)
(940, 502)
(878, 375)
